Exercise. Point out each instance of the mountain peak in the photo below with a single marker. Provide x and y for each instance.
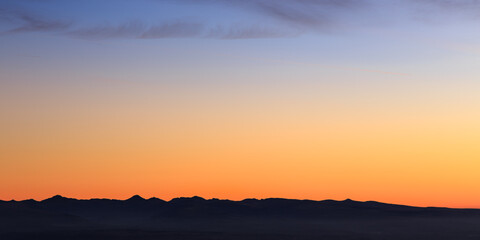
(136, 198)
(57, 198)
(154, 199)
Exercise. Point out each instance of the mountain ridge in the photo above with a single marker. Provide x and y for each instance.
(60, 217)
(138, 197)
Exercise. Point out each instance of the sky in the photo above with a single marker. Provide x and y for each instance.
(307, 99)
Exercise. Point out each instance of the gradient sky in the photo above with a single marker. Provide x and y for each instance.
(310, 99)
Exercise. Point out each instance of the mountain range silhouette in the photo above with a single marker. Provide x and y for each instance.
(198, 218)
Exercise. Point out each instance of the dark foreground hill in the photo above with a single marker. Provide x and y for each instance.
(197, 218)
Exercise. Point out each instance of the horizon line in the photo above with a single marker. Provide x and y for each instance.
(137, 196)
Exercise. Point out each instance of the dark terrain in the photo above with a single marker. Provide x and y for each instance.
(197, 218)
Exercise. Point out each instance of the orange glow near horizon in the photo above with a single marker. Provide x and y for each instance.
(306, 146)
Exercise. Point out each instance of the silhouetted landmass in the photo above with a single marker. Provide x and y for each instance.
(197, 218)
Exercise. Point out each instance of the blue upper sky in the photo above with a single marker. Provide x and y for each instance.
(230, 19)
(362, 31)
(422, 40)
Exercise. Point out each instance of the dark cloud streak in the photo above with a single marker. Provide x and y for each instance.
(286, 18)
(27, 22)
(174, 30)
(127, 30)
(252, 32)
(293, 18)
(178, 29)
(453, 4)
(299, 13)
(305, 13)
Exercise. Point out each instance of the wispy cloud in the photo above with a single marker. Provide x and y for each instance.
(296, 13)
(300, 17)
(453, 4)
(252, 32)
(127, 30)
(294, 17)
(137, 29)
(24, 22)
(178, 29)
(285, 18)
(28, 22)
(307, 13)
(467, 8)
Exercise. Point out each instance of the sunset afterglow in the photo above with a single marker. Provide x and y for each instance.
(238, 100)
